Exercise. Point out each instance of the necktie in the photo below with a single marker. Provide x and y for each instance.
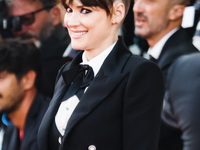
(152, 59)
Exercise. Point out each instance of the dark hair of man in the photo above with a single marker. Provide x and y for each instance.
(107, 5)
(20, 56)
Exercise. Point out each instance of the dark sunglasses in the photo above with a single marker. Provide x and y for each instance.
(28, 18)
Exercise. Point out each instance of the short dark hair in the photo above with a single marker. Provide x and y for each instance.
(20, 56)
(107, 5)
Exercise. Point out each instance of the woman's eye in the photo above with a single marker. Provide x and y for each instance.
(69, 10)
(85, 11)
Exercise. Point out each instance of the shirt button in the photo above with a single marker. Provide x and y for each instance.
(92, 147)
(60, 140)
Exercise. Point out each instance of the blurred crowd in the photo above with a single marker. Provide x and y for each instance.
(35, 44)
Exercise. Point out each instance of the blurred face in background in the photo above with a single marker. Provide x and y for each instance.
(39, 23)
(11, 92)
(151, 17)
(62, 11)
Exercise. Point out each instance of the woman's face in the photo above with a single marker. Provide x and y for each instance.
(90, 28)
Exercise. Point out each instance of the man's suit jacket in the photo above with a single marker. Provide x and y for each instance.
(178, 44)
(119, 111)
(182, 111)
(11, 137)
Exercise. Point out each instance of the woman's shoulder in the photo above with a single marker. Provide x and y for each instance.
(139, 65)
(136, 60)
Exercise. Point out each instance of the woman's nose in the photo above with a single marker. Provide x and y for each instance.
(71, 19)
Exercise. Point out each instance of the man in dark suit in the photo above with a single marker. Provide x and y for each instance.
(41, 21)
(159, 22)
(182, 103)
(21, 104)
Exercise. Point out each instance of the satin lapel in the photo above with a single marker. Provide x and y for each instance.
(92, 98)
(50, 113)
(60, 90)
(110, 75)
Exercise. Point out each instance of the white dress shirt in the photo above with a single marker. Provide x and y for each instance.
(156, 50)
(97, 61)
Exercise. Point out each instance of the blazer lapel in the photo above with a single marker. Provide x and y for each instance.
(48, 117)
(110, 74)
(60, 90)
(174, 47)
(90, 101)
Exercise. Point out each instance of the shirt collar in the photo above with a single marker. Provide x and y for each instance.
(156, 50)
(97, 61)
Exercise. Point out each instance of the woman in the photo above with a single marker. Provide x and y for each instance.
(120, 109)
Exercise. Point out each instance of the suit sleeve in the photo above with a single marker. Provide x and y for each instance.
(182, 100)
(142, 107)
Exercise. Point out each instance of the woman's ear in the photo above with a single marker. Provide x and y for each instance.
(118, 12)
(55, 15)
(28, 80)
(176, 12)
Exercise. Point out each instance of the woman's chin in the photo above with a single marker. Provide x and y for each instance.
(77, 47)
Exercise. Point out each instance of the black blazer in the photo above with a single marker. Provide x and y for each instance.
(182, 102)
(34, 117)
(178, 44)
(119, 111)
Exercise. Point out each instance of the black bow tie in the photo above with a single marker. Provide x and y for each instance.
(80, 76)
(88, 75)
(84, 71)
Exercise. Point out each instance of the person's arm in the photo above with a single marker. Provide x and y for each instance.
(183, 97)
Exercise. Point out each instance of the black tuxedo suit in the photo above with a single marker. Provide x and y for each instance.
(177, 45)
(119, 111)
